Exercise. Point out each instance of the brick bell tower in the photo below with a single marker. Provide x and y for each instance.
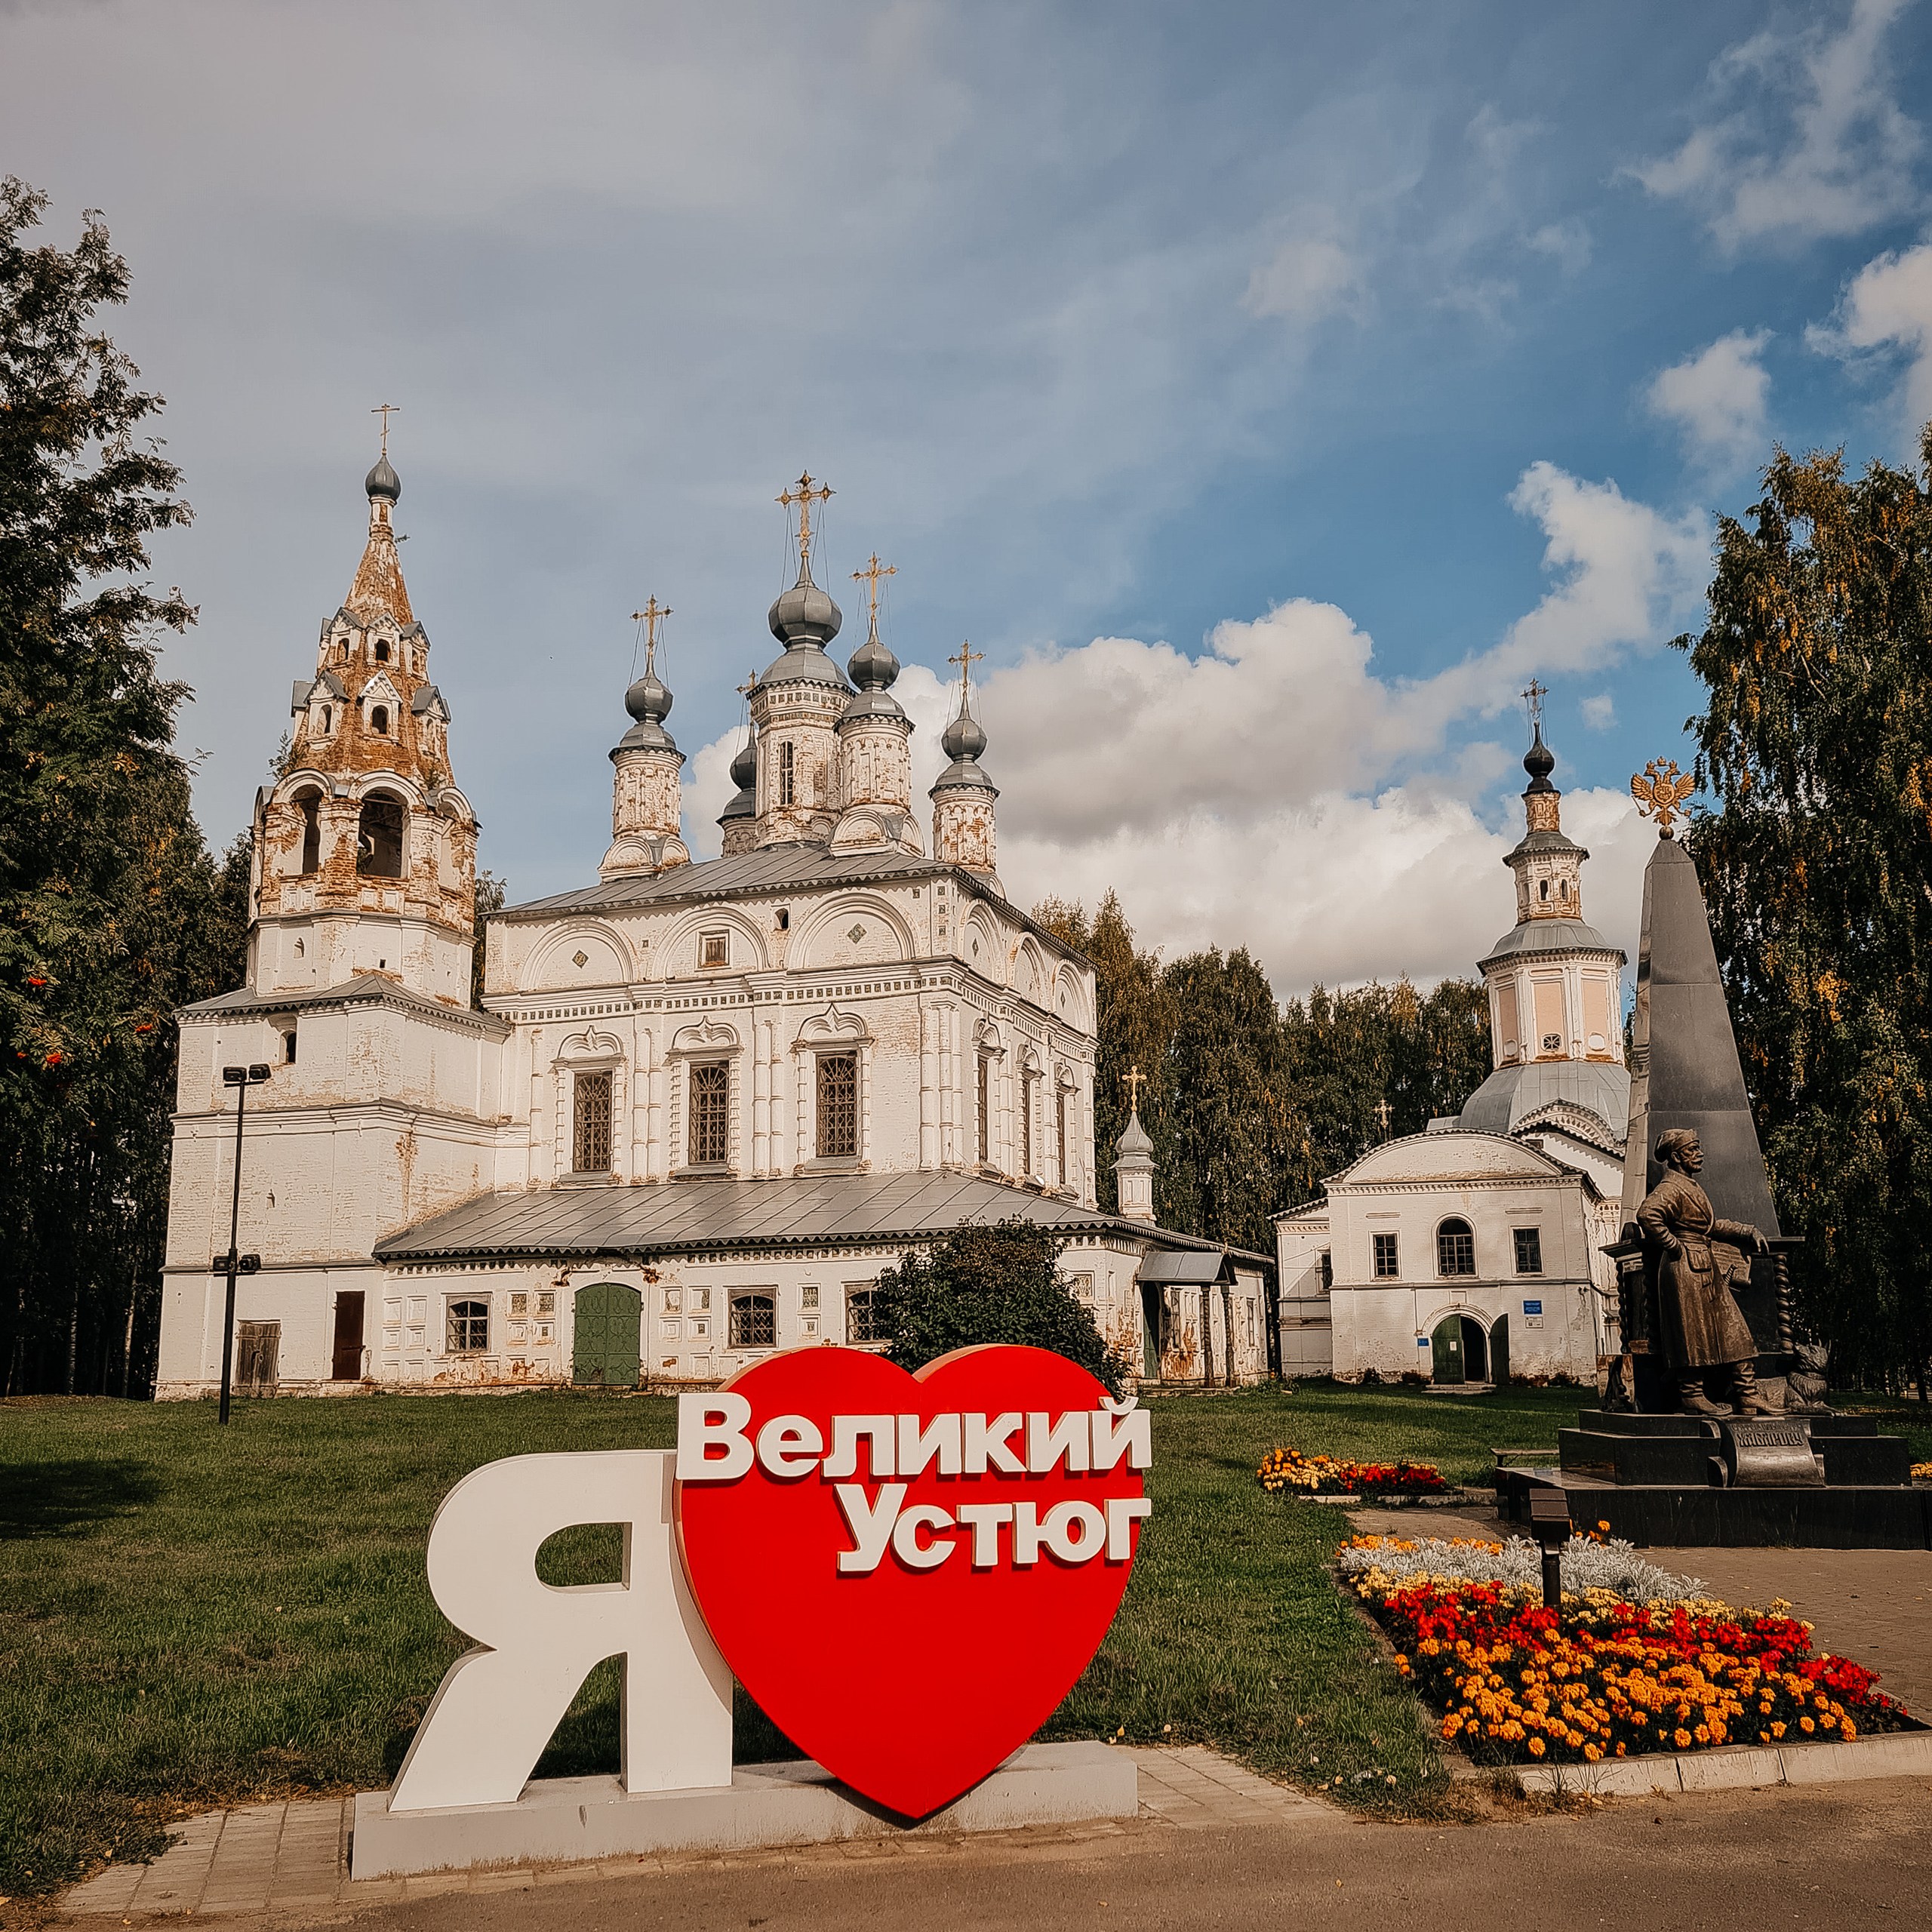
(365, 850)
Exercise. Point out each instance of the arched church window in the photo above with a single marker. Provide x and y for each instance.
(1455, 1248)
(382, 650)
(591, 1124)
(379, 722)
(328, 719)
(379, 837)
(342, 652)
(837, 1106)
(788, 775)
(309, 804)
(1545, 888)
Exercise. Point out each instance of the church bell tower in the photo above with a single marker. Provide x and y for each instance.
(365, 850)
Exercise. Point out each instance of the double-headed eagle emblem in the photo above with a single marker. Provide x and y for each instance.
(1660, 792)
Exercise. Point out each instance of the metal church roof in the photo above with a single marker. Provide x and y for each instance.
(685, 1217)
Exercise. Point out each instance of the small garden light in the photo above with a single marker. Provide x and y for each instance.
(1549, 1524)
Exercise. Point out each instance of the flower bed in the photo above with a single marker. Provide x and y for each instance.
(1288, 1472)
(1606, 1676)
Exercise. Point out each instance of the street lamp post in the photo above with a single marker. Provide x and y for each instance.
(233, 1263)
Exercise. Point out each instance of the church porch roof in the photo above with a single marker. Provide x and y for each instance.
(695, 1216)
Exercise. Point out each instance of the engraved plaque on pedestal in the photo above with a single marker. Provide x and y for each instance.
(1775, 1452)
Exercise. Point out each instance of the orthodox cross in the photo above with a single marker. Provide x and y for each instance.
(385, 411)
(1135, 1080)
(802, 493)
(1534, 698)
(653, 613)
(966, 657)
(1383, 1111)
(869, 577)
(747, 687)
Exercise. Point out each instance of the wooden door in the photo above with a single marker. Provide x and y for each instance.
(1499, 1351)
(606, 1347)
(346, 1362)
(257, 1350)
(1446, 1344)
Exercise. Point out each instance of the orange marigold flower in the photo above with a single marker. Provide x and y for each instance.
(1535, 1747)
(1680, 1738)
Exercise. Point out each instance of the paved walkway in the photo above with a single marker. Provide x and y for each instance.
(291, 1860)
(1873, 1606)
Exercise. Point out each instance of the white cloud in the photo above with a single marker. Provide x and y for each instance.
(1275, 791)
(1819, 146)
(1717, 398)
(1889, 306)
(1599, 711)
(1306, 278)
(1566, 242)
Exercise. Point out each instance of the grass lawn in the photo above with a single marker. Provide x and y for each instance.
(191, 1617)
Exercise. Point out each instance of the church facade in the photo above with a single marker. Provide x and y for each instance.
(700, 1106)
(1474, 1251)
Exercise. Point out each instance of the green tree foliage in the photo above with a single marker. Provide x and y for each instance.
(1250, 1106)
(112, 911)
(487, 898)
(998, 1284)
(1816, 741)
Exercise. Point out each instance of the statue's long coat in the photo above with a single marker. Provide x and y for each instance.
(1697, 1263)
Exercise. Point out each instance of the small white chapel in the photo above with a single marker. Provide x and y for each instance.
(1474, 1251)
(701, 1105)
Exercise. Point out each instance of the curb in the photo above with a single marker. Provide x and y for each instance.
(1897, 1755)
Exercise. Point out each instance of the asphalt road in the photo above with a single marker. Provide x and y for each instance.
(1841, 1855)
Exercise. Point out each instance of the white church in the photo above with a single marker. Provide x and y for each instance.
(702, 1107)
(1474, 1251)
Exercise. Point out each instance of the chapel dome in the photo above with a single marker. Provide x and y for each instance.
(382, 481)
(963, 740)
(1540, 761)
(805, 614)
(744, 767)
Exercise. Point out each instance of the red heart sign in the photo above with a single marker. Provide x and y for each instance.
(908, 1572)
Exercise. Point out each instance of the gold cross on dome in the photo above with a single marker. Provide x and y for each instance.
(965, 658)
(651, 616)
(869, 577)
(1383, 1110)
(804, 495)
(749, 686)
(385, 411)
(1534, 698)
(1136, 1080)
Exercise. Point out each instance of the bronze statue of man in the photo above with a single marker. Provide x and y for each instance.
(1697, 1258)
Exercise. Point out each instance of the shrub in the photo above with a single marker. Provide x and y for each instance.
(998, 1284)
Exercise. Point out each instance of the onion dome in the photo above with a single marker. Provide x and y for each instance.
(873, 670)
(382, 481)
(1134, 1140)
(649, 702)
(744, 775)
(805, 614)
(1540, 761)
(963, 740)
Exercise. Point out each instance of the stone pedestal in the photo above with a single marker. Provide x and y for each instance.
(1808, 1482)
(568, 1820)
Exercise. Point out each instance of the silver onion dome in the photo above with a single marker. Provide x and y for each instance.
(382, 481)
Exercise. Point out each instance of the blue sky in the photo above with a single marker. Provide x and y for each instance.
(1268, 390)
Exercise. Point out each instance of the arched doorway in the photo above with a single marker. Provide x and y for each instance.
(1475, 1351)
(605, 1348)
(1445, 1344)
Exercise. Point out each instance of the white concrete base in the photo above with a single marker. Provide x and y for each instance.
(569, 1820)
(1897, 1754)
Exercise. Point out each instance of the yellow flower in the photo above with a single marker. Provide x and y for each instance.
(1535, 1747)
(1805, 1723)
(1680, 1738)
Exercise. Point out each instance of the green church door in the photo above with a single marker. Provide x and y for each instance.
(606, 1351)
(1150, 1332)
(1499, 1352)
(1446, 1344)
